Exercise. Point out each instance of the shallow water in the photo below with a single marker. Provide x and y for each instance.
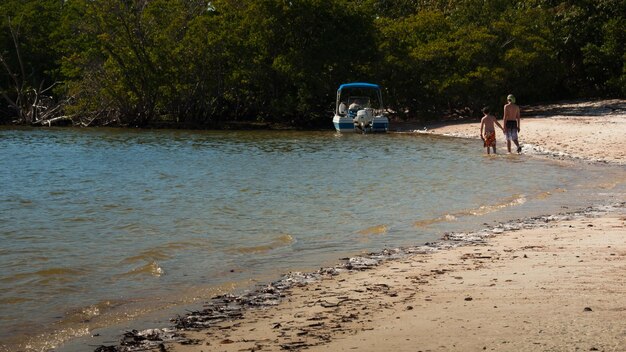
(98, 226)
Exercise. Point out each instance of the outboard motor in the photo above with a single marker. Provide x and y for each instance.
(364, 118)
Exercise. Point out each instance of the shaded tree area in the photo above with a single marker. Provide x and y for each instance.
(201, 64)
(29, 70)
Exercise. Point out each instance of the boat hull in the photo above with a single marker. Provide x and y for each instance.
(343, 124)
(346, 124)
(380, 124)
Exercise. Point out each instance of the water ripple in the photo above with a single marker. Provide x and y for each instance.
(106, 212)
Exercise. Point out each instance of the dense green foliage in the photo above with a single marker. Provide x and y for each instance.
(198, 63)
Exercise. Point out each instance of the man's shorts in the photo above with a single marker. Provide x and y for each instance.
(511, 134)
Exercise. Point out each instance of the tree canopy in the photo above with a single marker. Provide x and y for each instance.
(198, 63)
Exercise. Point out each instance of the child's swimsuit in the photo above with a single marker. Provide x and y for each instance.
(490, 139)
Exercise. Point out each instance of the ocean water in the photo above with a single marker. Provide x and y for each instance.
(102, 227)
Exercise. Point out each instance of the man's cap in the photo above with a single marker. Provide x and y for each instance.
(511, 98)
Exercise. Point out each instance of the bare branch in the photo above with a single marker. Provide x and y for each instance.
(15, 34)
(9, 100)
(50, 87)
(49, 122)
(9, 71)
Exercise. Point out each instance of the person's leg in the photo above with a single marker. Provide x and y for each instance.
(514, 138)
(511, 135)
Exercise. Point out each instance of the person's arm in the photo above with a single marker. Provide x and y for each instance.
(505, 115)
(518, 117)
(482, 126)
(498, 123)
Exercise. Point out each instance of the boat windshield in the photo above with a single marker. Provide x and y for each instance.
(358, 98)
(361, 102)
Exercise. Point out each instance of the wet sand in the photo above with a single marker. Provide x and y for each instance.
(551, 283)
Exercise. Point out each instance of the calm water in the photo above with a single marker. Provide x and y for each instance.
(99, 226)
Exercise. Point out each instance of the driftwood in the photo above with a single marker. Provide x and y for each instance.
(52, 121)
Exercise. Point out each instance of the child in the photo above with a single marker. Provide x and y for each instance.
(488, 130)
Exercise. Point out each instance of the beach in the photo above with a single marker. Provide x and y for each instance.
(591, 131)
(549, 283)
(557, 286)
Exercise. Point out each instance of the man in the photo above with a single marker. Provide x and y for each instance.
(511, 123)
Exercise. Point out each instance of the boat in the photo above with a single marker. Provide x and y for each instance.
(359, 108)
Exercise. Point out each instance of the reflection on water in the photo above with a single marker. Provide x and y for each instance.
(374, 230)
(99, 219)
(280, 241)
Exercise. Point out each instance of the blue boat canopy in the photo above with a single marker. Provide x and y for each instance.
(358, 85)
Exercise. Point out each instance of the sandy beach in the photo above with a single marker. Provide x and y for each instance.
(559, 286)
(550, 283)
(578, 130)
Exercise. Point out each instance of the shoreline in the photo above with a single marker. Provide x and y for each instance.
(331, 309)
(463, 292)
